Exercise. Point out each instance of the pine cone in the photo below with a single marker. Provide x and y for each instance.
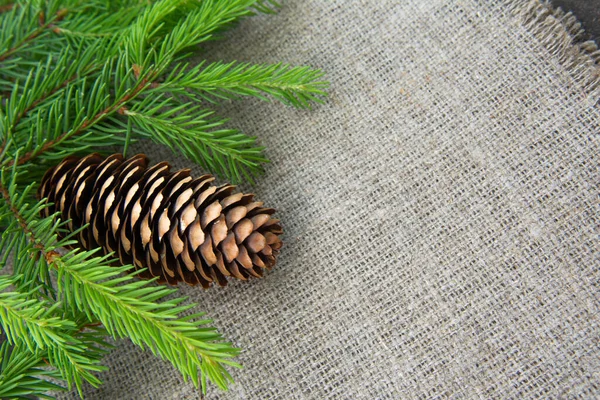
(179, 228)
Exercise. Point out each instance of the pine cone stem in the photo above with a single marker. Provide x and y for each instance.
(177, 227)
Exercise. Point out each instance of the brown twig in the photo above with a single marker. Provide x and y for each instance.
(28, 39)
(89, 325)
(49, 255)
(44, 24)
(7, 7)
(24, 113)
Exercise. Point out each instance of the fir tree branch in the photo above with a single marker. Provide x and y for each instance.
(43, 98)
(28, 321)
(85, 124)
(19, 217)
(126, 308)
(22, 373)
(297, 86)
(182, 24)
(45, 93)
(59, 19)
(109, 20)
(48, 79)
(43, 28)
(191, 130)
(108, 83)
(131, 309)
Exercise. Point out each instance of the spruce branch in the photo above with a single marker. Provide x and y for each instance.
(198, 136)
(25, 235)
(297, 86)
(21, 30)
(79, 76)
(131, 310)
(22, 373)
(181, 24)
(24, 316)
(126, 308)
(105, 20)
(30, 322)
(98, 105)
(49, 78)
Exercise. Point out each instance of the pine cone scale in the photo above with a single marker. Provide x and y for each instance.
(178, 227)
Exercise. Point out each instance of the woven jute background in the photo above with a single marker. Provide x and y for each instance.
(441, 210)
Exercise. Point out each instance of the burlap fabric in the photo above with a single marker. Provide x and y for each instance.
(441, 210)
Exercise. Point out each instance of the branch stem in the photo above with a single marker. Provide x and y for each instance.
(49, 255)
(23, 42)
(115, 107)
(44, 25)
(7, 7)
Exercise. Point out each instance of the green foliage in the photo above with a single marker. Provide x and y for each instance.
(296, 86)
(22, 373)
(33, 323)
(79, 76)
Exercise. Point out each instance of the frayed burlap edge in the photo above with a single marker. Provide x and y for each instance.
(563, 35)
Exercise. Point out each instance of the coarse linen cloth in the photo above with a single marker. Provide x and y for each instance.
(441, 210)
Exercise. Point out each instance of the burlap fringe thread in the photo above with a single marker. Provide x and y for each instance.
(562, 35)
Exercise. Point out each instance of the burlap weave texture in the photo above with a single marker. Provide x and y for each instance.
(441, 210)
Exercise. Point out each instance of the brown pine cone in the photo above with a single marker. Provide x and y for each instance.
(179, 228)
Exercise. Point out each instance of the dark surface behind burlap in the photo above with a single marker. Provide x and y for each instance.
(441, 210)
